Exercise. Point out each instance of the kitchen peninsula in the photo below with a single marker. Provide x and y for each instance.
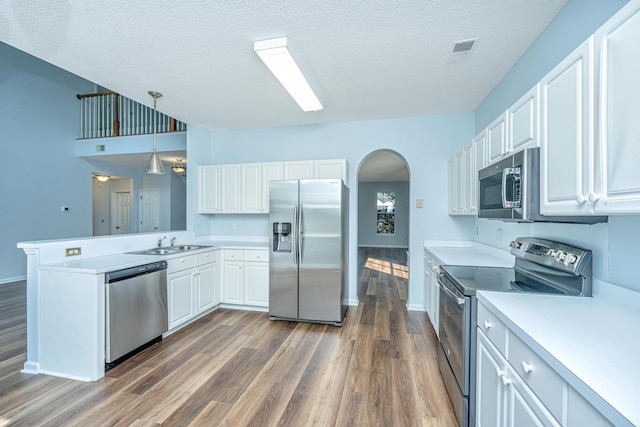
(66, 294)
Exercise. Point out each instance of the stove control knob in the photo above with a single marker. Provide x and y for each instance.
(552, 253)
(571, 259)
(560, 256)
(515, 244)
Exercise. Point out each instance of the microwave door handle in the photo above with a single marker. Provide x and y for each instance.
(510, 203)
(503, 190)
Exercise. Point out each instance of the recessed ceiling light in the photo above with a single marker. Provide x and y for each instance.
(278, 59)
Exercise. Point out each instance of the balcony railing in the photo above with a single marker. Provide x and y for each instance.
(108, 114)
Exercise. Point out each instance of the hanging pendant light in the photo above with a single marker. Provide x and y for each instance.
(155, 164)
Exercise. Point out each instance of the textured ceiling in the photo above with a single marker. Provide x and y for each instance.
(365, 59)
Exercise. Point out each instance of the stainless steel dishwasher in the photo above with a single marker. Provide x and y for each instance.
(136, 310)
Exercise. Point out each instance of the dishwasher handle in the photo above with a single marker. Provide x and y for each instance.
(118, 275)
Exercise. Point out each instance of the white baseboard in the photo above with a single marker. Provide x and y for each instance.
(245, 307)
(385, 246)
(12, 279)
(31, 368)
(415, 307)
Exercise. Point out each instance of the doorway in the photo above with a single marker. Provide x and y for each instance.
(150, 210)
(383, 222)
(111, 205)
(120, 212)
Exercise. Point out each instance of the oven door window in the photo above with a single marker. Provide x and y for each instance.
(454, 332)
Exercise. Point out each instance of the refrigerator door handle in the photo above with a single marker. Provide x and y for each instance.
(300, 233)
(294, 237)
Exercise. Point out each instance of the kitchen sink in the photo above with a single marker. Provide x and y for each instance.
(187, 247)
(169, 250)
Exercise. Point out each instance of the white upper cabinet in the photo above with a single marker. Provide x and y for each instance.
(330, 169)
(479, 162)
(273, 171)
(298, 170)
(523, 121)
(452, 187)
(230, 181)
(469, 178)
(244, 188)
(497, 138)
(208, 193)
(566, 143)
(617, 44)
(251, 188)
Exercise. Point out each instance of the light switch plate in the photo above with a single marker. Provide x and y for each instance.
(419, 203)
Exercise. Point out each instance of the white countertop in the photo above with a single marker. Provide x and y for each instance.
(591, 342)
(106, 263)
(469, 253)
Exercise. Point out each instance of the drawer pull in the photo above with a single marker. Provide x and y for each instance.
(526, 367)
(487, 324)
(503, 377)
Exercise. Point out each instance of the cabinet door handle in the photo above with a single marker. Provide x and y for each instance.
(526, 367)
(487, 324)
(505, 381)
(593, 197)
(580, 199)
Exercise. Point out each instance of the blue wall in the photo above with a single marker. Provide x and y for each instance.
(575, 22)
(39, 113)
(367, 218)
(426, 143)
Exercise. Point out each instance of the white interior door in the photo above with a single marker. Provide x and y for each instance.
(150, 207)
(120, 212)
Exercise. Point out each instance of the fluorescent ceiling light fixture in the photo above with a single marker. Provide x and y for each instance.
(276, 56)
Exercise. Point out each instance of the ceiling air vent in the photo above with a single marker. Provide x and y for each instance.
(462, 50)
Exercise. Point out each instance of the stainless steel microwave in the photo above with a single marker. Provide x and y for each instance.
(510, 191)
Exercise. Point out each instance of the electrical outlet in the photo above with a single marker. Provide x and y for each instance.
(73, 252)
(419, 203)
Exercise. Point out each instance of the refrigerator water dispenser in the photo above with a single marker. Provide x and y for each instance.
(282, 237)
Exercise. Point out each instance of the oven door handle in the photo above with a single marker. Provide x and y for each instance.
(461, 301)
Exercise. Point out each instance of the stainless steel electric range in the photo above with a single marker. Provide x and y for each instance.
(541, 266)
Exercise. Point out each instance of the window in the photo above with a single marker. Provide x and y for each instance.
(386, 211)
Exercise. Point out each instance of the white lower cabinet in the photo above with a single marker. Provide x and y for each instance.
(432, 289)
(256, 284)
(180, 297)
(503, 397)
(246, 277)
(192, 286)
(516, 387)
(206, 281)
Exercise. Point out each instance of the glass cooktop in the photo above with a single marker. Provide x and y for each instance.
(471, 279)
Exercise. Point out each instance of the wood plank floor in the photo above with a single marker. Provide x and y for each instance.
(237, 368)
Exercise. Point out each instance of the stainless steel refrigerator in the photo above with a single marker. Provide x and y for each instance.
(308, 250)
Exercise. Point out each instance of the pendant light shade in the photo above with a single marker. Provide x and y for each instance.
(154, 166)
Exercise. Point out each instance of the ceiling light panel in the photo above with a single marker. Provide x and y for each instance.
(278, 59)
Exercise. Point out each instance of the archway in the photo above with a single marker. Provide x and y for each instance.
(383, 221)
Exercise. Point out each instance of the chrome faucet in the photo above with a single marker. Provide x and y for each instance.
(160, 241)
(173, 241)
